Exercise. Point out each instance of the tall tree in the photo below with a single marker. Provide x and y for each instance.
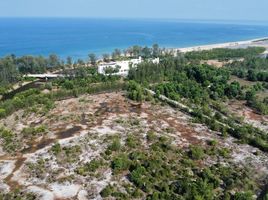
(53, 61)
(136, 51)
(92, 58)
(116, 54)
(69, 61)
(80, 62)
(106, 57)
(146, 52)
(156, 50)
(8, 72)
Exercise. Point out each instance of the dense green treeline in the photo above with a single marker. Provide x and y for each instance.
(224, 54)
(136, 51)
(83, 77)
(12, 67)
(252, 69)
(188, 78)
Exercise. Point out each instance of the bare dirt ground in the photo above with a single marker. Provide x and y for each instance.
(218, 63)
(84, 126)
(250, 116)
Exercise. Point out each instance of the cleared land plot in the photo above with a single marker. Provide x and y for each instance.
(80, 130)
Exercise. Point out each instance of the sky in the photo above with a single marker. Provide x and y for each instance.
(160, 9)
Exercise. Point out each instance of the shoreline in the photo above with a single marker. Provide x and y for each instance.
(238, 44)
(262, 42)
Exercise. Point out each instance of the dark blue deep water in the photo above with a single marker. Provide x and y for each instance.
(78, 37)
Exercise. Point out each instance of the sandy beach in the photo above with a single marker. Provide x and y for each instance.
(263, 42)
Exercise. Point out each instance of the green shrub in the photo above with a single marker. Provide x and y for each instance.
(243, 196)
(2, 112)
(196, 152)
(120, 163)
(33, 131)
(56, 149)
(115, 146)
(132, 141)
(92, 166)
(107, 191)
(10, 144)
(151, 136)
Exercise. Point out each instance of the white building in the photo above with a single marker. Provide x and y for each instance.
(121, 68)
(154, 60)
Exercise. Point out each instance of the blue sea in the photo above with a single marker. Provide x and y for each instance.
(79, 37)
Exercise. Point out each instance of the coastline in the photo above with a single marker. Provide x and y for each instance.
(238, 44)
(256, 42)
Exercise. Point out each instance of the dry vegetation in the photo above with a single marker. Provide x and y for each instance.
(71, 152)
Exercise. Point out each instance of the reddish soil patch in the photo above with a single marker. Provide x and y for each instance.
(186, 132)
(240, 108)
(18, 164)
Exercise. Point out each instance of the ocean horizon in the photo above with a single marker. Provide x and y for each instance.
(77, 37)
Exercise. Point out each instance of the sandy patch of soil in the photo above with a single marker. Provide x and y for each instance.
(87, 123)
(250, 116)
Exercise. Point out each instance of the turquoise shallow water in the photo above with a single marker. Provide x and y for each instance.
(78, 37)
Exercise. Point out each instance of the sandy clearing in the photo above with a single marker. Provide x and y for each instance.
(64, 190)
(42, 194)
(6, 168)
(118, 117)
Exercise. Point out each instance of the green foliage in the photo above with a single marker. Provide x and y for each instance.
(72, 153)
(115, 145)
(265, 196)
(56, 149)
(223, 54)
(243, 196)
(95, 164)
(92, 58)
(26, 99)
(33, 97)
(199, 87)
(163, 173)
(120, 163)
(3, 89)
(68, 154)
(145, 52)
(8, 71)
(252, 69)
(132, 141)
(18, 194)
(2, 112)
(116, 54)
(92, 166)
(253, 102)
(9, 140)
(110, 70)
(33, 131)
(12, 67)
(151, 136)
(107, 191)
(196, 152)
(135, 91)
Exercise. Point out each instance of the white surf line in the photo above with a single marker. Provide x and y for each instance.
(219, 45)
